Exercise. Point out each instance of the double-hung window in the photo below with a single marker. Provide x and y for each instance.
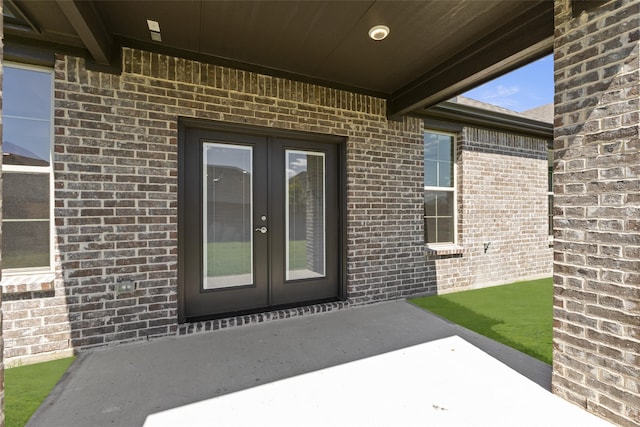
(550, 197)
(26, 168)
(439, 188)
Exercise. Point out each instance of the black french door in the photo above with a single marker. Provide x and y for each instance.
(261, 221)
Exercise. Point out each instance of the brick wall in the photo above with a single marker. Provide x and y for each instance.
(116, 188)
(502, 204)
(36, 319)
(1, 308)
(597, 243)
(504, 197)
(115, 168)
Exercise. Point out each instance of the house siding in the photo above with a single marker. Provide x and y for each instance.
(116, 200)
(596, 361)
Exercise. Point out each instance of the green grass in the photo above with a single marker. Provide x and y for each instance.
(26, 387)
(231, 258)
(519, 315)
(228, 258)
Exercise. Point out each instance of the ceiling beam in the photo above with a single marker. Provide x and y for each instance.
(522, 40)
(87, 23)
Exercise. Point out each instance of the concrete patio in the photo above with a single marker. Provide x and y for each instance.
(384, 364)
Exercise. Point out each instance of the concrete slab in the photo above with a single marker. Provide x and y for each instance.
(122, 385)
(447, 382)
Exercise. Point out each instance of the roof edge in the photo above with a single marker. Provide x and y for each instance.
(453, 112)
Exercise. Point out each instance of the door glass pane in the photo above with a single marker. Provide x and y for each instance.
(305, 210)
(227, 215)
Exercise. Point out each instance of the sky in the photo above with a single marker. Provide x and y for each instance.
(522, 89)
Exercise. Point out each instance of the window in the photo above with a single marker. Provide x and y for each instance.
(550, 197)
(550, 188)
(439, 188)
(26, 168)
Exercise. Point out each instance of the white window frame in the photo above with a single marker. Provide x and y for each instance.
(453, 189)
(38, 170)
(550, 197)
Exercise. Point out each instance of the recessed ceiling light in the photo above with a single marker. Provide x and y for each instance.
(379, 32)
(153, 25)
(156, 37)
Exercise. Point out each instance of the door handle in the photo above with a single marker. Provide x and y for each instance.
(262, 230)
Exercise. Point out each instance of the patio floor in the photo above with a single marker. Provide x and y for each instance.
(383, 364)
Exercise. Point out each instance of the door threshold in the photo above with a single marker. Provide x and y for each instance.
(249, 317)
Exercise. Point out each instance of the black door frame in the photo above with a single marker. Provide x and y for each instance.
(190, 123)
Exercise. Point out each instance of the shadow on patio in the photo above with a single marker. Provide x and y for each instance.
(122, 385)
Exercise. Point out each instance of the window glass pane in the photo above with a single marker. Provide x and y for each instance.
(430, 173)
(444, 203)
(438, 212)
(430, 203)
(305, 210)
(430, 230)
(26, 142)
(550, 214)
(25, 244)
(445, 148)
(430, 146)
(438, 160)
(26, 93)
(445, 174)
(445, 230)
(227, 215)
(25, 196)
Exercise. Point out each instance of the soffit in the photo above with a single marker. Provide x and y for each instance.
(321, 41)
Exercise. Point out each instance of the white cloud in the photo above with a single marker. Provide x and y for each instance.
(506, 96)
(296, 165)
(501, 91)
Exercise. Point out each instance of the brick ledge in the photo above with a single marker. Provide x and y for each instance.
(440, 250)
(27, 283)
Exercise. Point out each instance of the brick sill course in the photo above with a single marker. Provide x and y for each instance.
(440, 250)
(23, 283)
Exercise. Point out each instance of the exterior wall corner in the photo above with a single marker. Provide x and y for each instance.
(596, 181)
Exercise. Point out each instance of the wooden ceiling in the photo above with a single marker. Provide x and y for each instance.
(436, 49)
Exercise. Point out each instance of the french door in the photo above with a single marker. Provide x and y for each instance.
(261, 221)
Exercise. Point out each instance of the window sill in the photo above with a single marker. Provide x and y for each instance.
(443, 249)
(22, 283)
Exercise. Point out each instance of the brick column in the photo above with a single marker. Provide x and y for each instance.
(1, 340)
(596, 362)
